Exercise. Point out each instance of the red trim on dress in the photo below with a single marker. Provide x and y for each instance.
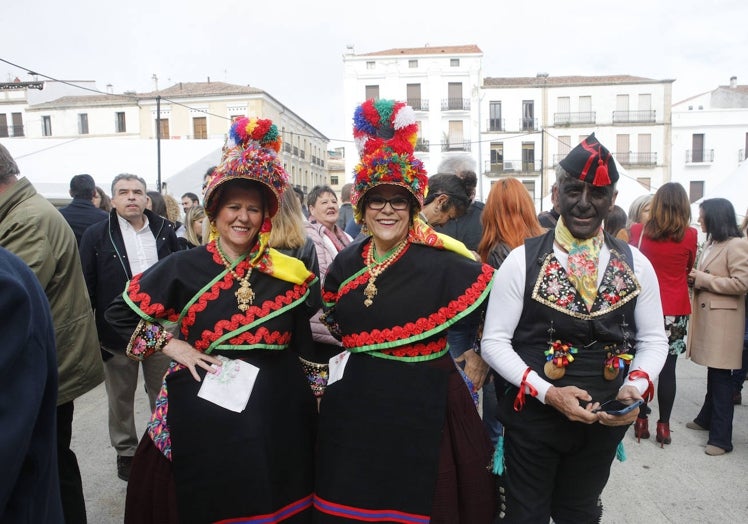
(253, 313)
(422, 325)
(143, 300)
(416, 350)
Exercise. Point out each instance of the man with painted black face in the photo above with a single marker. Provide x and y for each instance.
(571, 323)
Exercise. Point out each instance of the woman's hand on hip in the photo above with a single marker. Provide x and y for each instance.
(185, 354)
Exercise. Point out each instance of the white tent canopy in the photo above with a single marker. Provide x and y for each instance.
(50, 163)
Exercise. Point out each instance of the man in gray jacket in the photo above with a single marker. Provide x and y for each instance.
(34, 230)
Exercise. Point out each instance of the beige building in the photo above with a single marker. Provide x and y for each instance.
(184, 111)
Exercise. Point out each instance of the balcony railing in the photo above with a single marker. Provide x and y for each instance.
(422, 145)
(567, 119)
(418, 104)
(511, 167)
(295, 151)
(302, 153)
(495, 124)
(456, 146)
(699, 156)
(287, 148)
(636, 159)
(528, 124)
(632, 117)
(7, 131)
(455, 104)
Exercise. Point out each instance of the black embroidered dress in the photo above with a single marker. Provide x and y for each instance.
(255, 465)
(399, 438)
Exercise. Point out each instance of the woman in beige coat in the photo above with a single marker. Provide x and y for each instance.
(715, 339)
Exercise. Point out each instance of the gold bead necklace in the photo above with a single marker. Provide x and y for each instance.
(244, 295)
(377, 268)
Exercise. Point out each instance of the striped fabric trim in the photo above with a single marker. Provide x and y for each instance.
(367, 515)
(282, 514)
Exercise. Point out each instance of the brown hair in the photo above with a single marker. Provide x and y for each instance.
(509, 217)
(669, 215)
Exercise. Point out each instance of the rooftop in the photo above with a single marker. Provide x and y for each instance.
(556, 81)
(428, 50)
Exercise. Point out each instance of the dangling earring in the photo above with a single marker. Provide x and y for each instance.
(365, 229)
(213, 231)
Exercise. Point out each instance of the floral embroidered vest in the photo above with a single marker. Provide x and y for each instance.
(554, 310)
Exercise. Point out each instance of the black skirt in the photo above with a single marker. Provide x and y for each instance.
(228, 465)
(402, 442)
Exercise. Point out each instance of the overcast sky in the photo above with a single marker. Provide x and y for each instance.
(293, 49)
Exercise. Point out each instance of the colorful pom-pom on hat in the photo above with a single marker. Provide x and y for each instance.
(385, 132)
(250, 153)
(590, 161)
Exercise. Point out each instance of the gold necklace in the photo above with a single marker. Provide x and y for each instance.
(244, 295)
(377, 268)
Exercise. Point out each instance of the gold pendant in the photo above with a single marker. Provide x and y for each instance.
(610, 373)
(552, 371)
(370, 291)
(244, 296)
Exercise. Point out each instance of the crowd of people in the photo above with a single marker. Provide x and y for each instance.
(314, 360)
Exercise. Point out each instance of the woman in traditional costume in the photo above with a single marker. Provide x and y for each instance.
(221, 444)
(399, 438)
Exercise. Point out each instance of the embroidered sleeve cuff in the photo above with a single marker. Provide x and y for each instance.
(147, 339)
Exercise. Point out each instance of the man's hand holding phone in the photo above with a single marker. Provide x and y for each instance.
(621, 411)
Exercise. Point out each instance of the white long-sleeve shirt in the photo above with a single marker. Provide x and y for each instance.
(506, 302)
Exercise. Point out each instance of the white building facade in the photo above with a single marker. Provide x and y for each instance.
(528, 124)
(710, 138)
(440, 83)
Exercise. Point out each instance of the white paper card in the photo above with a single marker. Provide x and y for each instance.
(337, 367)
(231, 387)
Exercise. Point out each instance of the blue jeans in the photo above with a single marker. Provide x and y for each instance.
(717, 411)
(738, 375)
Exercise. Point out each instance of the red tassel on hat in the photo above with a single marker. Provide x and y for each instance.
(601, 174)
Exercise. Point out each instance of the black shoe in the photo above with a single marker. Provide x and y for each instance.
(123, 467)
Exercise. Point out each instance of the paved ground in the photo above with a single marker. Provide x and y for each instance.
(677, 484)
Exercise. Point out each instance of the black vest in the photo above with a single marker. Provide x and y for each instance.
(552, 303)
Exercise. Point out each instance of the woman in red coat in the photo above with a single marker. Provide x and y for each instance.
(670, 244)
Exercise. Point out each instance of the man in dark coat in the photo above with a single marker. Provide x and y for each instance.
(29, 485)
(81, 213)
(113, 251)
(33, 229)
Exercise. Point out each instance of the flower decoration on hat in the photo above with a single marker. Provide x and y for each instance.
(590, 161)
(250, 153)
(385, 132)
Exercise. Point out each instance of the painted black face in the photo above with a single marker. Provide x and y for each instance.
(584, 206)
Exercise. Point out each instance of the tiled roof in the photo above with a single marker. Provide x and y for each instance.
(87, 100)
(534, 81)
(743, 89)
(180, 90)
(192, 89)
(428, 50)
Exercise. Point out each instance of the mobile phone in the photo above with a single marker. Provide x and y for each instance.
(616, 407)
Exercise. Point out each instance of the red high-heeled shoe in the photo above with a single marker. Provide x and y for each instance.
(641, 428)
(663, 433)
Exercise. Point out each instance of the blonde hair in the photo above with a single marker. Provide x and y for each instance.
(194, 214)
(288, 224)
(172, 208)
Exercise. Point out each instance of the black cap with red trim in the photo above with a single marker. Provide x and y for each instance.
(591, 162)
